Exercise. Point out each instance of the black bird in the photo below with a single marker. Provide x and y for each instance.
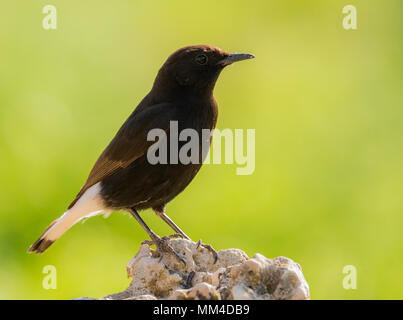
(122, 177)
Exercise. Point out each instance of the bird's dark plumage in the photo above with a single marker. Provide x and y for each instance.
(122, 177)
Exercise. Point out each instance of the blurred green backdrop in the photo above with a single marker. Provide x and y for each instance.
(326, 104)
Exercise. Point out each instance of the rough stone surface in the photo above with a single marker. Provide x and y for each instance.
(233, 276)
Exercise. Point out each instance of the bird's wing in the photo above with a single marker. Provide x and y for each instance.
(130, 143)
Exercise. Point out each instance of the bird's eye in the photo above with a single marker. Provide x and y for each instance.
(201, 59)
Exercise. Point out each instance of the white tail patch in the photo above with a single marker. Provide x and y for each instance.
(89, 205)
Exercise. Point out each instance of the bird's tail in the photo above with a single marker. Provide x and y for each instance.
(88, 205)
(51, 234)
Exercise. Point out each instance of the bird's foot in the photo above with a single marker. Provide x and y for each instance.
(209, 248)
(163, 246)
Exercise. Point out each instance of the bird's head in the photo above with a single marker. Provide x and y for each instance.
(196, 68)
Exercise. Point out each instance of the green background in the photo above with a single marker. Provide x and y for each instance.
(326, 104)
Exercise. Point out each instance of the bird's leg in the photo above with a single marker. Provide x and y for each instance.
(161, 243)
(169, 222)
(161, 213)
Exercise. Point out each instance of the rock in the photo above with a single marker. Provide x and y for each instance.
(233, 276)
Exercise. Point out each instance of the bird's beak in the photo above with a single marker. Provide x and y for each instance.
(234, 57)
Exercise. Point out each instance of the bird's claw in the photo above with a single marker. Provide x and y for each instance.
(163, 246)
(209, 248)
